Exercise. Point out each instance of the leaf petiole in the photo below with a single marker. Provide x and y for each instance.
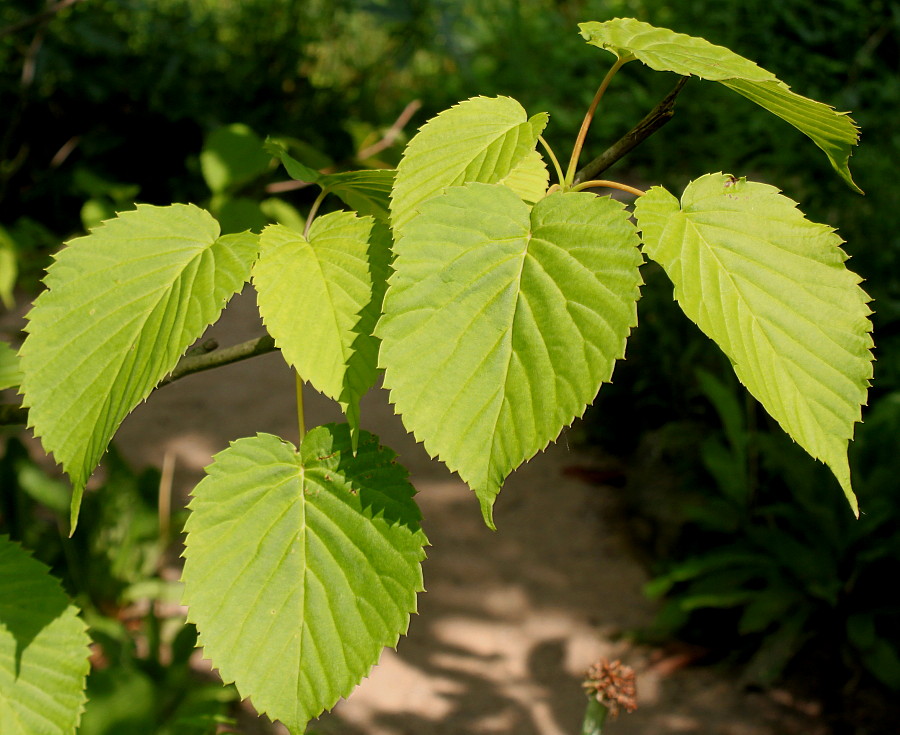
(603, 183)
(312, 212)
(301, 421)
(559, 173)
(588, 118)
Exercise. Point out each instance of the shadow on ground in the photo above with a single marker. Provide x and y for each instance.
(510, 620)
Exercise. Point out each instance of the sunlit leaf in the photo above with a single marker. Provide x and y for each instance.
(43, 649)
(231, 157)
(501, 322)
(320, 298)
(301, 567)
(482, 139)
(121, 306)
(664, 50)
(529, 178)
(771, 289)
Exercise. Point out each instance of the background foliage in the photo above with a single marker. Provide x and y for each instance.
(116, 101)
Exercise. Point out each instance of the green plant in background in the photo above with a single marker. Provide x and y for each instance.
(776, 568)
(495, 304)
(142, 680)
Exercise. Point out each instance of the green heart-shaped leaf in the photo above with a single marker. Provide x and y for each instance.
(301, 566)
(502, 321)
(771, 289)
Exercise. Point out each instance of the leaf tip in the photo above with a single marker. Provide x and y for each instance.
(77, 493)
(487, 511)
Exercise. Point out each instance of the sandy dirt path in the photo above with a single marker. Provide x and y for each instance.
(510, 620)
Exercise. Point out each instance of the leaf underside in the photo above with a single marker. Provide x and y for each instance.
(665, 50)
(320, 298)
(43, 649)
(121, 306)
(482, 139)
(301, 567)
(367, 191)
(771, 289)
(501, 322)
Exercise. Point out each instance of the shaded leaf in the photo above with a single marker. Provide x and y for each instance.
(368, 191)
(771, 289)
(10, 375)
(501, 322)
(43, 649)
(232, 156)
(301, 567)
(482, 139)
(664, 50)
(9, 268)
(121, 306)
(320, 298)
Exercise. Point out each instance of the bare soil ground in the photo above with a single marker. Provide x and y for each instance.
(510, 620)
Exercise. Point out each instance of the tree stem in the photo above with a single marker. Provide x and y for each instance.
(594, 717)
(655, 119)
(191, 363)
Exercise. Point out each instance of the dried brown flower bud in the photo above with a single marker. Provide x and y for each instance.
(613, 685)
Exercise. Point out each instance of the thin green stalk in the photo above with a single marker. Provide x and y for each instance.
(604, 183)
(588, 118)
(594, 717)
(312, 211)
(301, 422)
(559, 173)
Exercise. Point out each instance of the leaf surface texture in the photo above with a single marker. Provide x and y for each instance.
(665, 50)
(122, 305)
(502, 321)
(482, 139)
(43, 649)
(301, 567)
(320, 298)
(772, 290)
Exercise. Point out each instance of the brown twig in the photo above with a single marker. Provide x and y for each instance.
(387, 140)
(193, 362)
(38, 18)
(392, 133)
(655, 119)
(190, 364)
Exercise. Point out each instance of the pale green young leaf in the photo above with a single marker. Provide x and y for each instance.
(772, 290)
(10, 375)
(665, 50)
(301, 567)
(368, 192)
(502, 321)
(43, 649)
(482, 139)
(121, 306)
(320, 298)
(529, 178)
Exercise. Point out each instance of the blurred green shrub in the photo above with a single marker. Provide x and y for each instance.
(142, 680)
(768, 565)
